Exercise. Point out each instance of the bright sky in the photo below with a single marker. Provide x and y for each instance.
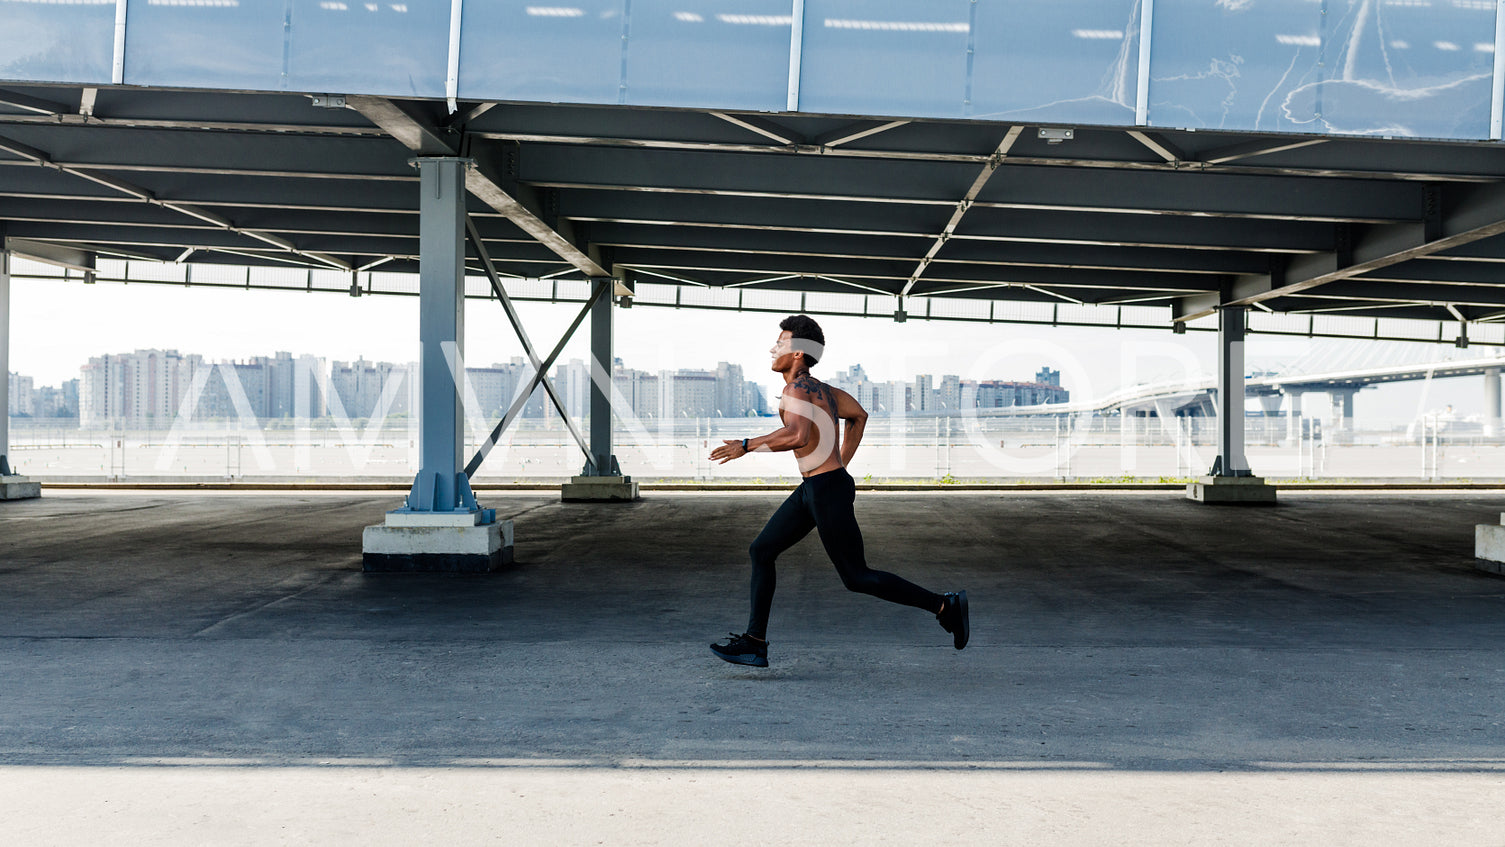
(57, 326)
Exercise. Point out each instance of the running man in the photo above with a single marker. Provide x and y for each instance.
(809, 409)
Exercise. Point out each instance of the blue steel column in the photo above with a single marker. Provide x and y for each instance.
(441, 484)
(4, 362)
(1231, 460)
(603, 463)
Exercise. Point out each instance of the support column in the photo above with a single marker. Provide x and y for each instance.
(601, 479)
(5, 363)
(441, 527)
(441, 485)
(1293, 415)
(603, 463)
(1491, 402)
(1342, 404)
(12, 486)
(1230, 480)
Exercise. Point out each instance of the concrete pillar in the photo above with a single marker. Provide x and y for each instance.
(602, 479)
(1491, 402)
(1293, 415)
(441, 528)
(1230, 480)
(1342, 400)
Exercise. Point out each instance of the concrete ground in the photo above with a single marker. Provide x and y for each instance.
(190, 669)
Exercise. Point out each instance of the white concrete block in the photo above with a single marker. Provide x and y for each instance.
(599, 488)
(600, 480)
(412, 540)
(1231, 489)
(399, 518)
(16, 487)
(454, 549)
(1489, 548)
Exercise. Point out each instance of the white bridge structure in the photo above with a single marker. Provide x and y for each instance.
(1341, 370)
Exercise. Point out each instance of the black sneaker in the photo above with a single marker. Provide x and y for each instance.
(954, 619)
(742, 650)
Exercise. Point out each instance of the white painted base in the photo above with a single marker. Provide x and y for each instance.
(18, 487)
(399, 518)
(1251, 490)
(1489, 547)
(407, 547)
(598, 488)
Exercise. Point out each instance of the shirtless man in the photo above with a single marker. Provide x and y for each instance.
(809, 410)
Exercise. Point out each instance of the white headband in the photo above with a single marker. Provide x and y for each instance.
(810, 347)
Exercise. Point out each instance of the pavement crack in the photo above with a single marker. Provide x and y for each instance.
(245, 613)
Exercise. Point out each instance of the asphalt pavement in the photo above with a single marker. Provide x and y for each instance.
(215, 668)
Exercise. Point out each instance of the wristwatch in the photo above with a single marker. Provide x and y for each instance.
(744, 445)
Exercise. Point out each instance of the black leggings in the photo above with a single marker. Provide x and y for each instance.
(824, 502)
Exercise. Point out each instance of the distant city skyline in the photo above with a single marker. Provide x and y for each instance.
(152, 387)
(49, 318)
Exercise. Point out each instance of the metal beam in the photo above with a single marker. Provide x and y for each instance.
(762, 126)
(43, 158)
(411, 131)
(216, 191)
(35, 105)
(1159, 145)
(751, 264)
(1353, 290)
(1458, 166)
(1456, 272)
(1474, 213)
(1250, 149)
(963, 205)
(115, 149)
(51, 254)
(855, 132)
(486, 180)
(940, 183)
(711, 212)
(955, 252)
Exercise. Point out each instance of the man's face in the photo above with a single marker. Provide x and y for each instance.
(782, 351)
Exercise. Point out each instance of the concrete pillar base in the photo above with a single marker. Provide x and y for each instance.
(414, 542)
(1236, 490)
(18, 487)
(582, 489)
(1489, 547)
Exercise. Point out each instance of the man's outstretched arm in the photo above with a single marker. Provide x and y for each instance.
(794, 433)
(855, 418)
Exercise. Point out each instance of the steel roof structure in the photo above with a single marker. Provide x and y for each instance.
(1283, 155)
(908, 208)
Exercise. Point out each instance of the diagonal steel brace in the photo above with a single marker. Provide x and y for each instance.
(540, 368)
